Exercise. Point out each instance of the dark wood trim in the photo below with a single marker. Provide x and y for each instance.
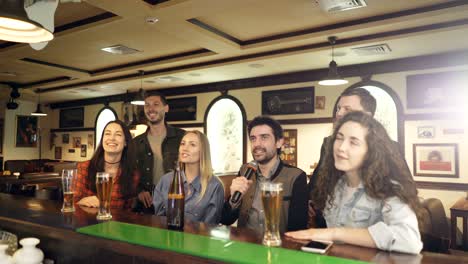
(77, 129)
(367, 69)
(447, 186)
(180, 125)
(215, 31)
(50, 64)
(378, 18)
(155, 2)
(150, 61)
(83, 22)
(435, 116)
(302, 121)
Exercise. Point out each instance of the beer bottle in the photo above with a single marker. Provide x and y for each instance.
(176, 201)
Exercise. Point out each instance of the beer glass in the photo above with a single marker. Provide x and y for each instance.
(104, 183)
(272, 196)
(68, 176)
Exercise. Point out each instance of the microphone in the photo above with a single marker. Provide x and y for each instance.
(251, 169)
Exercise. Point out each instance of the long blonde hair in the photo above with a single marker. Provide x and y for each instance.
(206, 169)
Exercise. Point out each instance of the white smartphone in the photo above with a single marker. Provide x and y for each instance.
(317, 246)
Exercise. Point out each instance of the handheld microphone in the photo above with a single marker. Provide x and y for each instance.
(251, 169)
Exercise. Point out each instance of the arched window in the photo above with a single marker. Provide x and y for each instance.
(389, 108)
(225, 128)
(104, 116)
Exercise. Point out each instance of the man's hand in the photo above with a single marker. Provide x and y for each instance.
(240, 184)
(145, 198)
(90, 201)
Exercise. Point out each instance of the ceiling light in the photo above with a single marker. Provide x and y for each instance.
(15, 25)
(140, 97)
(333, 78)
(120, 50)
(38, 111)
(151, 20)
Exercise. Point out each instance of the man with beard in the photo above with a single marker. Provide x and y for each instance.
(266, 138)
(157, 149)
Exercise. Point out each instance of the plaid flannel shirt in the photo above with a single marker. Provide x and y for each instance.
(81, 189)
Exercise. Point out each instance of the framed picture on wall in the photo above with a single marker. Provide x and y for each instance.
(288, 101)
(58, 153)
(83, 151)
(435, 160)
(77, 142)
(182, 109)
(72, 117)
(26, 131)
(289, 150)
(65, 138)
(320, 102)
(426, 132)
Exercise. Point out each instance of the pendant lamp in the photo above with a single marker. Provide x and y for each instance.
(15, 25)
(38, 111)
(140, 97)
(333, 78)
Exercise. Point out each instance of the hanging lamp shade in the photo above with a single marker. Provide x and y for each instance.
(139, 99)
(333, 77)
(38, 111)
(15, 25)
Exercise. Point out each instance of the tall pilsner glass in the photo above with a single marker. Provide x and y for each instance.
(104, 183)
(272, 196)
(68, 176)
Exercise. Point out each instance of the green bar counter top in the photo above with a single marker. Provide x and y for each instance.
(143, 239)
(216, 248)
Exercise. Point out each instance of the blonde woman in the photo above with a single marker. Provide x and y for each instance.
(204, 193)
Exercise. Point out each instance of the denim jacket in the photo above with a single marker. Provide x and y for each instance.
(391, 223)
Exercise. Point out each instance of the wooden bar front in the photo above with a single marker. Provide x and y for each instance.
(60, 242)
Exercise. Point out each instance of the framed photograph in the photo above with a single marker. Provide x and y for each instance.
(320, 102)
(90, 141)
(426, 132)
(182, 109)
(71, 150)
(1, 136)
(76, 142)
(72, 117)
(288, 101)
(289, 149)
(26, 131)
(83, 151)
(440, 89)
(435, 160)
(65, 138)
(58, 153)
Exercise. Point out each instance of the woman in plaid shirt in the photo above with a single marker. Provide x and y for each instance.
(115, 155)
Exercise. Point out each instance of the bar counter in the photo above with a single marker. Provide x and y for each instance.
(62, 243)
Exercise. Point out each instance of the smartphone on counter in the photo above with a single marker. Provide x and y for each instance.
(317, 246)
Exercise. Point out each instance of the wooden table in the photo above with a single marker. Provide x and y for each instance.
(459, 209)
(61, 243)
(32, 178)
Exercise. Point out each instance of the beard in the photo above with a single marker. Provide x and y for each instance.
(159, 118)
(267, 156)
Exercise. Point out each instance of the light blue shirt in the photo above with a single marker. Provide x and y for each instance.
(392, 224)
(207, 209)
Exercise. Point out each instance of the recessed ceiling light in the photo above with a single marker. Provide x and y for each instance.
(120, 49)
(150, 81)
(256, 65)
(167, 79)
(151, 20)
(195, 74)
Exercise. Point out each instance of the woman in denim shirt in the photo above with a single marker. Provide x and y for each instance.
(204, 193)
(367, 196)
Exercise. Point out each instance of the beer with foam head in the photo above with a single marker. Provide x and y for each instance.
(68, 176)
(272, 196)
(104, 184)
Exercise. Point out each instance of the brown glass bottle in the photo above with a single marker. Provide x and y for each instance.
(176, 201)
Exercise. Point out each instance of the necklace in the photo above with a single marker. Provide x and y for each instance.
(112, 162)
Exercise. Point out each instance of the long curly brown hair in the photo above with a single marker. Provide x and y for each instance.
(383, 173)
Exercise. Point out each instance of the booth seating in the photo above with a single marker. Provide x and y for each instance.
(435, 230)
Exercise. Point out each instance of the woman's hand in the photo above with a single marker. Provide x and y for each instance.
(90, 201)
(313, 234)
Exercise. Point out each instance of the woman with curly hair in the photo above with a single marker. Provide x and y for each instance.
(366, 195)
